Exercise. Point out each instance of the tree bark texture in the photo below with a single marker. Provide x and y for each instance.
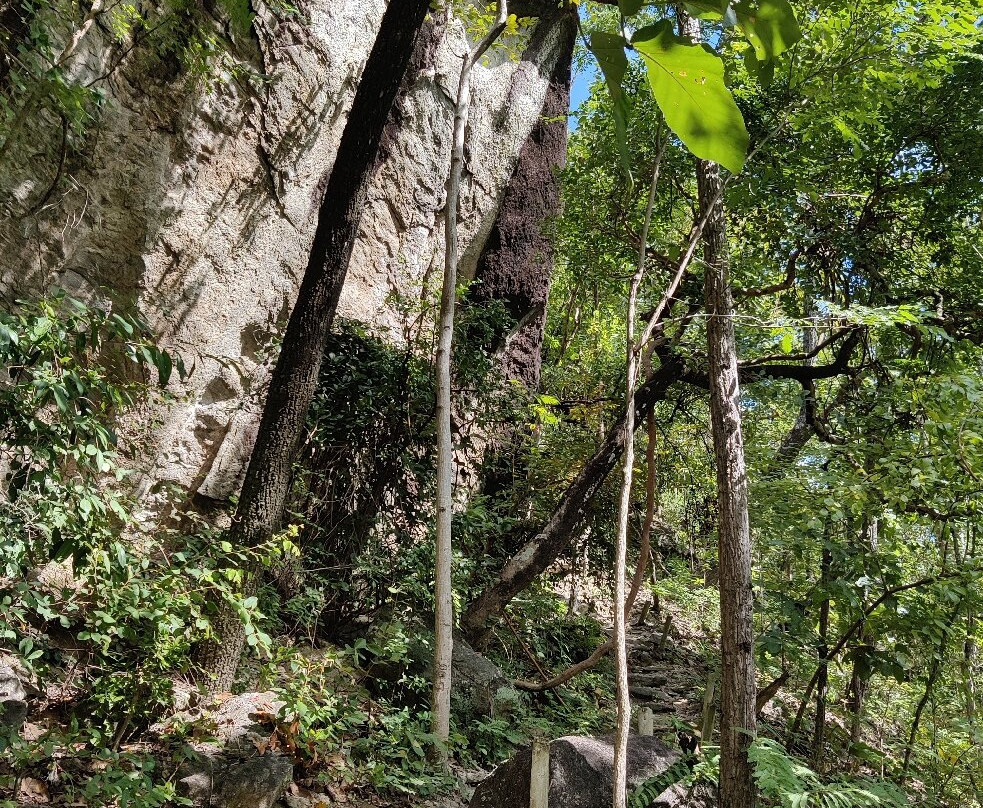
(294, 379)
(515, 267)
(516, 264)
(737, 680)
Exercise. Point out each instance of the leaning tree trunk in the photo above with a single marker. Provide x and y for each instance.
(545, 546)
(295, 377)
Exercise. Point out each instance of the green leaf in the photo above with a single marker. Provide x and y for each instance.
(8, 335)
(688, 83)
(609, 50)
(164, 367)
(707, 9)
(123, 324)
(61, 397)
(630, 7)
(764, 72)
(769, 25)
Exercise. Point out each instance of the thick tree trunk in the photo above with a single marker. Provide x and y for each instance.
(516, 264)
(738, 686)
(737, 680)
(295, 376)
(515, 267)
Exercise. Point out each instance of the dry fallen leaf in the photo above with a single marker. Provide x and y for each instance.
(33, 791)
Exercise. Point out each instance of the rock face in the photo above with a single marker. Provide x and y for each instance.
(235, 722)
(257, 782)
(479, 687)
(580, 773)
(195, 204)
(229, 770)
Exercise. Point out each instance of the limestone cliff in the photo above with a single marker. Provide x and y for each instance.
(194, 202)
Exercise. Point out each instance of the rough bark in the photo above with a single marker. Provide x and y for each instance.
(738, 686)
(294, 379)
(515, 267)
(737, 681)
(516, 264)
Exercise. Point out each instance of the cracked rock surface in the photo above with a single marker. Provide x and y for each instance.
(195, 205)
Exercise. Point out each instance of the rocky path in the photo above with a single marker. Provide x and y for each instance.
(667, 675)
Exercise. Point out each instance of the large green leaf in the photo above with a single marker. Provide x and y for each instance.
(630, 7)
(688, 83)
(609, 50)
(769, 25)
(707, 9)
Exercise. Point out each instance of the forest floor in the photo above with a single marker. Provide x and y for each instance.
(668, 669)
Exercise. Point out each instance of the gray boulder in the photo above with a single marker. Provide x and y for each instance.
(16, 691)
(701, 795)
(479, 689)
(232, 723)
(256, 783)
(580, 773)
(195, 780)
(478, 686)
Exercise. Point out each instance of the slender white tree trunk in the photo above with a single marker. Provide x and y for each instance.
(444, 619)
(619, 793)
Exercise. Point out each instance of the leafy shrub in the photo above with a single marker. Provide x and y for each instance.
(363, 471)
(329, 721)
(125, 603)
(785, 780)
(66, 370)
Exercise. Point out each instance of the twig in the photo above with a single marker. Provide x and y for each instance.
(529, 653)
